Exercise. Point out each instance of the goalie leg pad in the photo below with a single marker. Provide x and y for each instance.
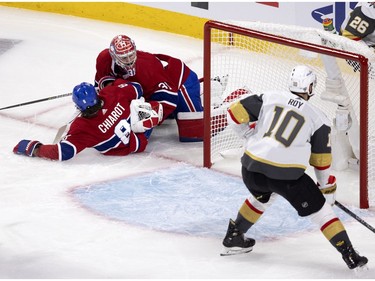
(239, 93)
(343, 120)
(216, 93)
(334, 92)
(190, 126)
(219, 113)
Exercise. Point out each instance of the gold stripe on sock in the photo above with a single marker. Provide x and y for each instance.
(249, 212)
(332, 228)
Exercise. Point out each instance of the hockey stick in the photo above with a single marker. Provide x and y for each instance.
(346, 210)
(50, 98)
(36, 101)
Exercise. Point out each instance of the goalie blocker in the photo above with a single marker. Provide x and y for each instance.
(190, 126)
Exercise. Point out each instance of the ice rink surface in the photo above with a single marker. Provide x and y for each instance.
(156, 214)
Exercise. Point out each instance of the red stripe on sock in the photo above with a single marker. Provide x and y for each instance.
(328, 223)
(252, 207)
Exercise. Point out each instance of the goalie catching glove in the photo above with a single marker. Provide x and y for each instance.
(145, 115)
(329, 190)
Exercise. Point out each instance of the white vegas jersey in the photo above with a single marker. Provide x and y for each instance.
(289, 135)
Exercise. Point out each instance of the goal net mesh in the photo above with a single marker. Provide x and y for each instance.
(260, 65)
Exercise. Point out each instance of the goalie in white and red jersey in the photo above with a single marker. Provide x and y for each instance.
(290, 134)
(107, 123)
(165, 79)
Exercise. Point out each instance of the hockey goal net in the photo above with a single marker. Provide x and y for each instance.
(260, 56)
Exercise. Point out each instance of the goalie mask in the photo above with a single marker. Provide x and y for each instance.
(124, 53)
(302, 80)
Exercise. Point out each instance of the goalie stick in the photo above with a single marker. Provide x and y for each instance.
(346, 210)
(36, 101)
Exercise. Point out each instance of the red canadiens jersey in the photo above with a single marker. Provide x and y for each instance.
(155, 72)
(108, 132)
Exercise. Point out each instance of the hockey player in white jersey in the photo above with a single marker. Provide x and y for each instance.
(359, 25)
(290, 135)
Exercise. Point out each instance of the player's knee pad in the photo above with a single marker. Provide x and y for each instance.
(190, 126)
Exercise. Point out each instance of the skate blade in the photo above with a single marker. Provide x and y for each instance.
(235, 251)
(361, 268)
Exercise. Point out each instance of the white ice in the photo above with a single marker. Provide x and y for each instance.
(45, 232)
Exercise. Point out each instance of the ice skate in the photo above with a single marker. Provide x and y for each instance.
(353, 259)
(235, 242)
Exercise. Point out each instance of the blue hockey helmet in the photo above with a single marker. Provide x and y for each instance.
(84, 96)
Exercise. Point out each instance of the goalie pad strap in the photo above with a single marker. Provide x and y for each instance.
(190, 115)
(333, 83)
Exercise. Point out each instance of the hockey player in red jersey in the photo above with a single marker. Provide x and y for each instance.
(163, 78)
(290, 135)
(105, 123)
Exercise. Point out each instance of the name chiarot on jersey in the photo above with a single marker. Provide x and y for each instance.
(115, 114)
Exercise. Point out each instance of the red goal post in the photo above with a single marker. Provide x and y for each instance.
(261, 57)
